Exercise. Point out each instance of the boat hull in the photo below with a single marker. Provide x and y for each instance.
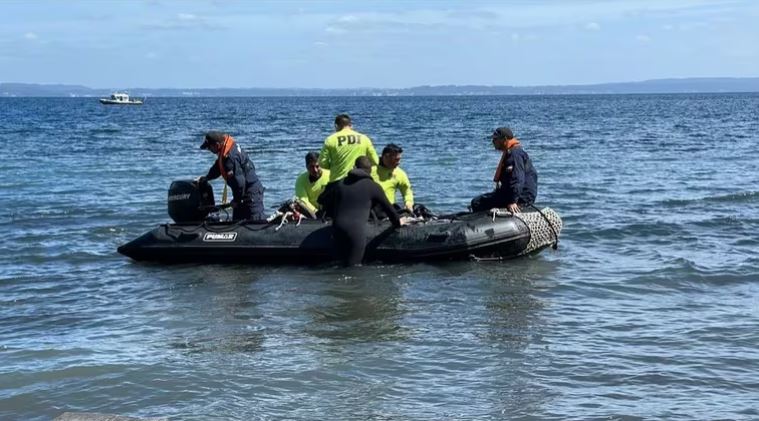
(112, 102)
(462, 237)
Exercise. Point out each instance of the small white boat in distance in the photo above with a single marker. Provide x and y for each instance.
(120, 98)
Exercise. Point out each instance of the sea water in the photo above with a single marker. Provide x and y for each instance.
(648, 309)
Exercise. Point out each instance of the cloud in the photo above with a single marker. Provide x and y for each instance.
(334, 30)
(517, 37)
(479, 14)
(347, 18)
(394, 23)
(741, 52)
(179, 22)
(592, 26)
(643, 38)
(590, 15)
(686, 26)
(30, 35)
(692, 26)
(321, 44)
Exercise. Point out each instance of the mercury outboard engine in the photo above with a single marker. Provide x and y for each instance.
(190, 201)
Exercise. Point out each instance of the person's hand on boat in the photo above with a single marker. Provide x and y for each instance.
(405, 220)
(513, 208)
(201, 180)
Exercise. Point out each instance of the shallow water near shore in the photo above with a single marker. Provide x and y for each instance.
(648, 309)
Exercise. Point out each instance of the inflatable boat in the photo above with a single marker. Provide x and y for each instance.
(196, 238)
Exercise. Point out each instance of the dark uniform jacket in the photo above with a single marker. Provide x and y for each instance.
(519, 180)
(243, 182)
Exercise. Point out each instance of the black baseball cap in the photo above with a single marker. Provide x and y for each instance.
(212, 137)
(501, 133)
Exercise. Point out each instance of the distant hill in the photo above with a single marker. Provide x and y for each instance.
(686, 85)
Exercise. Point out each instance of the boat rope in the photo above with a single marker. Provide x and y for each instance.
(555, 244)
(500, 212)
(273, 216)
(485, 259)
(285, 218)
(220, 160)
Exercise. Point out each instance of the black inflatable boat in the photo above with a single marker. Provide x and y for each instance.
(483, 235)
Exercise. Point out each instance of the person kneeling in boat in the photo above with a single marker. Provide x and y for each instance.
(515, 177)
(239, 173)
(348, 202)
(392, 178)
(310, 184)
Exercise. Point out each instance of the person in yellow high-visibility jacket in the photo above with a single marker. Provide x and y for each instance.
(389, 175)
(342, 148)
(311, 183)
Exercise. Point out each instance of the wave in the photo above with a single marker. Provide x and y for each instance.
(683, 273)
(731, 222)
(740, 197)
(104, 130)
(634, 230)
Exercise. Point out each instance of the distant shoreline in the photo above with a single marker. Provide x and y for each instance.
(656, 86)
(389, 96)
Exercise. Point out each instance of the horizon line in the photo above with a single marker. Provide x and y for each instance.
(693, 78)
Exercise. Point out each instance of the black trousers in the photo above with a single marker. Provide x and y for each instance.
(494, 199)
(252, 206)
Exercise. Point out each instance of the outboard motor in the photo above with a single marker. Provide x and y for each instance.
(190, 201)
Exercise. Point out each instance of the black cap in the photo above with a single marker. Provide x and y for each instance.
(212, 137)
(392, 148)
(502, 133)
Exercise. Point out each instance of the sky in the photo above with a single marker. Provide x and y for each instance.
(382, 44)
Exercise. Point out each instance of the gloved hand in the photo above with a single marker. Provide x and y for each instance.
(201, 180)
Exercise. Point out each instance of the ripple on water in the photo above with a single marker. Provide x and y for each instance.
(646, 310)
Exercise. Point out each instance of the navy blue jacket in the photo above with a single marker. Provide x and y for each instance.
(519, 180)
(241, 175)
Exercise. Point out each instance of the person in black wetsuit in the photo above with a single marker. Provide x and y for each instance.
(233, 164)
(516, 178)
(348, 202)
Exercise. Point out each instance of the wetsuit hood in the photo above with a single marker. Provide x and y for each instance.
(355, 175)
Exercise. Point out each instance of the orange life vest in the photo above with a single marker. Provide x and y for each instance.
(226, 147)
(509, 144)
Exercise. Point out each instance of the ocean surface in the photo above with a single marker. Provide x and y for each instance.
(649, 309)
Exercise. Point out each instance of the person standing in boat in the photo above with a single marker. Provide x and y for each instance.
(239, 173)
(340, 150)
(311, 183)
(515, 177)
(348, 202)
